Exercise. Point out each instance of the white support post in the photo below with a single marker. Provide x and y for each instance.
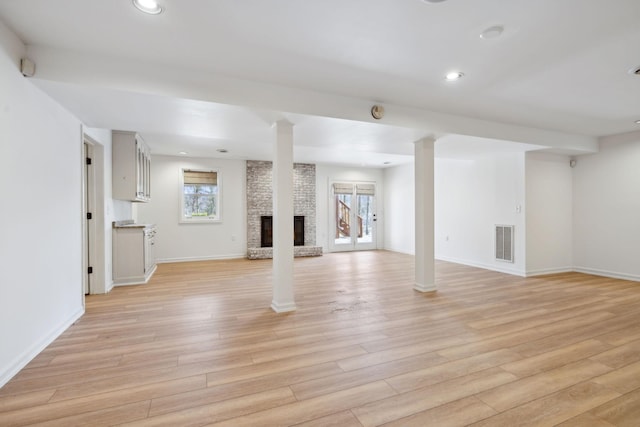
(283, 299)
(424, 199)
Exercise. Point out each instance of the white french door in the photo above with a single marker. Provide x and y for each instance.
(353, 216)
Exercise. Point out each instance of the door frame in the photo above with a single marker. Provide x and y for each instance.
(354, 245)
(93, 231)
(88, 226)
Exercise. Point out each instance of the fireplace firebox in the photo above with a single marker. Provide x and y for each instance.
(266, 231)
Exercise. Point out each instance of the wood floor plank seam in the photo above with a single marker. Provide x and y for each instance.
(630, 411)
(561, 406)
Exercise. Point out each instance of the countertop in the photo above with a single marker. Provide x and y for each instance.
(129, 223)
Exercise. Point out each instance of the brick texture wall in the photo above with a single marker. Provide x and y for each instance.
(260, 198)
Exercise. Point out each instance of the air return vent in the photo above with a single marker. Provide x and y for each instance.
(504, 243)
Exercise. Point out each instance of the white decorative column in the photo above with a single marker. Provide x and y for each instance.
(425, 263)
(283, 300)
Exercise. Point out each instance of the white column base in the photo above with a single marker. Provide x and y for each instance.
(424, 288)
(283, 308)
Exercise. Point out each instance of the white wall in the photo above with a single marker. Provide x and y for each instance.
(40, 245)
(606, 209)
(583, 219)
(399, 208)
(471, 197)
(177, 241)
(325, 174)
(549, 214)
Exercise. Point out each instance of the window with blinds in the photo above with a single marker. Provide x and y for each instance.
(366, 189)
(200, 195)
(361, 189)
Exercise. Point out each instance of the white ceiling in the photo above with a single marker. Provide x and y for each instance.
(209, 74)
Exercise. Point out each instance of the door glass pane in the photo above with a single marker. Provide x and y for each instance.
(365, 218)
(343, 216)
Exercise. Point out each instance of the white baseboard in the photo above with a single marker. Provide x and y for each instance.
(491, 267)
(136, 280)
(399, 251)
(210, 258)
(605, 273)
(545, 271)
(28, 355)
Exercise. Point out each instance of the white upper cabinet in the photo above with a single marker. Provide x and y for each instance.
(131, 167)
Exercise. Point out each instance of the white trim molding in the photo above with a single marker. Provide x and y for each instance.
(499, 269)
(545, 271)
(605, 273)
(210, 258)
(283, 308)
(27, 356)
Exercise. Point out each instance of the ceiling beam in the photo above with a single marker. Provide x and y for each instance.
(189, 83)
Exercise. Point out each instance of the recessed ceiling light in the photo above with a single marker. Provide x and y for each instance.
(386, 163)
(453, 76)
(637, 122)
(148, 6)
(222, 150)
(635, 70)
(432, 1)
(492, 32)
(182, 153)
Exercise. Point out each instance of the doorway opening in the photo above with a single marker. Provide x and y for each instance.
(353, 217)
(88, 205)
(93, 220)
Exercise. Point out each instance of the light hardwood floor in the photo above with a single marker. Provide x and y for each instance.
(199, 345)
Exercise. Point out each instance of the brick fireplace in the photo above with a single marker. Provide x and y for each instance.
(260, 206)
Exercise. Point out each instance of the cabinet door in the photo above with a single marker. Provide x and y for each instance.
(128, 255)
(139, 170)
(131, 167)
(147, 176)
(149, 249)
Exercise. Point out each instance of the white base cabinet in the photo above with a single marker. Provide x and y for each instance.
(134, 259)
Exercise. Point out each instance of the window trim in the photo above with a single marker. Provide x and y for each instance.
(200, 220)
